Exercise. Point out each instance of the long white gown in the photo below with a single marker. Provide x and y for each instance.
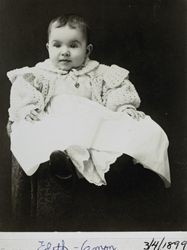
(98, 135)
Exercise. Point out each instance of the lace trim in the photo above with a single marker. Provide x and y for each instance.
(90, 65)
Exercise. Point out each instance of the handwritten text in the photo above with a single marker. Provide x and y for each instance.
(164, 244)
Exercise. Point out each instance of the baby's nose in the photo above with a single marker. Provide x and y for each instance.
(65, 51)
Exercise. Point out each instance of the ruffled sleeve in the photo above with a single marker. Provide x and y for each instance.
(114, 76)
(118, 91)
(15, 73)
(24, 95)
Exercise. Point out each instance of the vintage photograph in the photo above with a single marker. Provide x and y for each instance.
(93, 116)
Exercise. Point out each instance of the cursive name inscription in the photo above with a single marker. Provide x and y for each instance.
(62, 246)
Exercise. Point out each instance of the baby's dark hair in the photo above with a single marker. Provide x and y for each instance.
(73, 21)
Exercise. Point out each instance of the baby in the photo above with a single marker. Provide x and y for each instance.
(80, 109)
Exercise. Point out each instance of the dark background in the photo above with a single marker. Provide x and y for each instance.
(146, 37)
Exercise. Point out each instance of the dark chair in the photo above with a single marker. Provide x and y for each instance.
(40, 197)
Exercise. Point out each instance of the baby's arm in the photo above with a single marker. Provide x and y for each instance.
(121, 95)
(131, 101)
(25, 101)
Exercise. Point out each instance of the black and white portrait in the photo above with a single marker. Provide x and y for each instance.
(93, 115)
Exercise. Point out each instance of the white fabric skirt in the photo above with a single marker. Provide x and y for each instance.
(93, 136)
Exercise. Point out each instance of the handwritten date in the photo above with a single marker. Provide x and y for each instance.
(163, 244)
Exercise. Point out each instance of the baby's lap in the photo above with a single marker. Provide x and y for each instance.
(75, 103)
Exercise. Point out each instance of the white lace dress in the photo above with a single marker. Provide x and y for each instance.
(93, 135)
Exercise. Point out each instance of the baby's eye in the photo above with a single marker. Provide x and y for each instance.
(73, 45)
(56, 45)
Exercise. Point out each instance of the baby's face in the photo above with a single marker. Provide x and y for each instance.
(67, 47)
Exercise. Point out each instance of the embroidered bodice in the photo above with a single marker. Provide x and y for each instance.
(33, 87)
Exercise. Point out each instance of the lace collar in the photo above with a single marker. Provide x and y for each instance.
(87, 67)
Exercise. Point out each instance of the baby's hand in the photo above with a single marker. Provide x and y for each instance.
(33, 116)
(135, 114)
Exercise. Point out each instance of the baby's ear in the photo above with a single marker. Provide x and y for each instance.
(89, 49)
(47, 46)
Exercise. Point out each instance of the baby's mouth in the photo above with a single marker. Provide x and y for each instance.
(65, 60)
